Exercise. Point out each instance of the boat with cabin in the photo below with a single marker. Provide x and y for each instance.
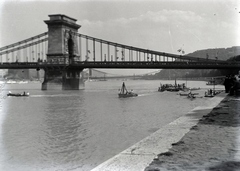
(125, 93)
(171, 88)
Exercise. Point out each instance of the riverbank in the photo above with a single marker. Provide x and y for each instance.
(213, 144)
(140, 155)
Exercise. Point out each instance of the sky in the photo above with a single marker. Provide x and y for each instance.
(161, 25)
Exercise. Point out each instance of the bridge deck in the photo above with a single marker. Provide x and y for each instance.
(124, 65)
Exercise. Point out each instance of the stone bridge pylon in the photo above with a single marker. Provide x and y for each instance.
(62, 49)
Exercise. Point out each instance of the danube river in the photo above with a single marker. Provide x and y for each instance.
(78, 130)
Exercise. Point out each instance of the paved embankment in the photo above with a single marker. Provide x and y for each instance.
(212, 145)
(140, 155)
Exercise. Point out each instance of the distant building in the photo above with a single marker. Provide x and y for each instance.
(3, 72)
(33, 74)
(17, 74)
(23, 74)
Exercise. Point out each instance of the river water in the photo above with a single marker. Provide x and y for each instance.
(80, 129)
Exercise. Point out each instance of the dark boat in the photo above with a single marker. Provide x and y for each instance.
(171, 88)
(125, 93)
(186, 94)
(18, 94)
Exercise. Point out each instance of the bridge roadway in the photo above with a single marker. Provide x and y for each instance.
(124, 65)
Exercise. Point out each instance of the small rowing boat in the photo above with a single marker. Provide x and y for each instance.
(24, 94)
(186, 94)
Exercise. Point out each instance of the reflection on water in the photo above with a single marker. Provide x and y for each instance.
(66, 130)
(77, 130)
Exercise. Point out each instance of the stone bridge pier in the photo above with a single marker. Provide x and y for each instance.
(62, 49)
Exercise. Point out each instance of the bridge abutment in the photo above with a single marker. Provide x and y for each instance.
(64, 80)
(72, 80)
(52, 79)
(62, 49)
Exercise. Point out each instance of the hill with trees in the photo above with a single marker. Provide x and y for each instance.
(232, 53)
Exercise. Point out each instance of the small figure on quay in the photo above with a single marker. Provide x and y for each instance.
(235, 88)
(210, 91)
(227, 83)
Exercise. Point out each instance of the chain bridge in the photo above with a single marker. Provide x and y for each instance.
(63, 53)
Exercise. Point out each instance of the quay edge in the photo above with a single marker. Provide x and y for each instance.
(141, 154)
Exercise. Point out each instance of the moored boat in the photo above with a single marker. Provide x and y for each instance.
(186, 94)
(195, 88)
(125, 93)
(171, 88)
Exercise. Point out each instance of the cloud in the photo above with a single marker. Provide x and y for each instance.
(148, 27)
(151, 30)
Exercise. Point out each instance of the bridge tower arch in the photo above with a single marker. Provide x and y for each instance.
(70, 48)
(62, 30)
(62, 49)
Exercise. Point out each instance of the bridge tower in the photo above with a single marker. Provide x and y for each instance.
(62, 49)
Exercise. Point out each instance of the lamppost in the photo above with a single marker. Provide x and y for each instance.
(174, 75)
(186, 78)
(213, 86)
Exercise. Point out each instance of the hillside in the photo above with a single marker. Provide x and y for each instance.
(218, 53)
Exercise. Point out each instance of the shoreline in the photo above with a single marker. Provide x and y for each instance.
(141, 154)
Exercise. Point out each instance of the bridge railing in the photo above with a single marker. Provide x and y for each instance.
(94, 49)
(29, 50)
(90, 49)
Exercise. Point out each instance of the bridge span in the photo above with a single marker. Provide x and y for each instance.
(63, 53)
